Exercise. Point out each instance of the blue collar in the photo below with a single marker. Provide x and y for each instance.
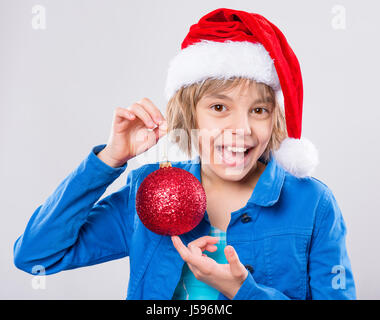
(268, 188)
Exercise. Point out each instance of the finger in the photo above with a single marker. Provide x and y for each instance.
(202, 242)
(144, 139)
(197, 263)
(160, 130)
(195, 250)
(210, 248)
(186, 254)
(153, 111)
(122, 113)
(141, 113)
(236, 267)
(183, 251)
(199, 251)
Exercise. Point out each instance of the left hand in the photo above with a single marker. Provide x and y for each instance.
(226, 278)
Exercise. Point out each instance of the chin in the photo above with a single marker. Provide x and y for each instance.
(231, 175)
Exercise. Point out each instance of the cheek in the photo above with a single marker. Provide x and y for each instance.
(205, 141)
(263, 131)
(207, 122)
(208, 128)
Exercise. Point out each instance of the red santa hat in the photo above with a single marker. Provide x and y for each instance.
(228, 43)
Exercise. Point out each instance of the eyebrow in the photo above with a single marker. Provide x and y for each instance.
(222, 96)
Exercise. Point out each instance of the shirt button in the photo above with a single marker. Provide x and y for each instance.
(245, 218)
(249, 268)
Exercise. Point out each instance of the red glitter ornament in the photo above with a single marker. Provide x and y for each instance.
(170, 201)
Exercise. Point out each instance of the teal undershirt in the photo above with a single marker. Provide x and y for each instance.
(189, 287)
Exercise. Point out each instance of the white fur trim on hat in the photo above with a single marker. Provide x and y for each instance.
(297, 156)
(221, 60)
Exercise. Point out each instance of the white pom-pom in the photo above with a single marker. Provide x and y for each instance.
(297, 156)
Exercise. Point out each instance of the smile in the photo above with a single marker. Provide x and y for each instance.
(234, 156)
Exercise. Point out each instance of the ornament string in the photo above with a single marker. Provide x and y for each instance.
(165, 163)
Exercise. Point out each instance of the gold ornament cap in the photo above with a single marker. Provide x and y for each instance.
(165, 164)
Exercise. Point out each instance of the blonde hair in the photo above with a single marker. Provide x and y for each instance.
(180, 110)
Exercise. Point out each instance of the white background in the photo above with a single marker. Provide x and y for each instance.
(60, 85)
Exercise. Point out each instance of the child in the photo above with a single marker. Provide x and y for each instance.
(281, 233)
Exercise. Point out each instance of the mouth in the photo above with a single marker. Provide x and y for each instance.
(234, 156)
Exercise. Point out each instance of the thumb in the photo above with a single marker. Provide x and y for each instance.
(236, 267)
(161, 130)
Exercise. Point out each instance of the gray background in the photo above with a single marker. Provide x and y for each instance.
(59, 87)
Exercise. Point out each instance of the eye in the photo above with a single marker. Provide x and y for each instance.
(260, 110)
(218, 107)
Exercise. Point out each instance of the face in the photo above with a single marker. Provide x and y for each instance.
(234, 130)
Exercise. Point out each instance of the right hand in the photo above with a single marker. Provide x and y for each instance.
(130, 135)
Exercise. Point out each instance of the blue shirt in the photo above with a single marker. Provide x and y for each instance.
(189, 287)
(290, 234)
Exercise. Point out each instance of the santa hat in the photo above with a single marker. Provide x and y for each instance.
(228, 43)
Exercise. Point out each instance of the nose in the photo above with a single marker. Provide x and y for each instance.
(241, 124)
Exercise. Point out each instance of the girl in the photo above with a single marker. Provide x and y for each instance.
(270, 231)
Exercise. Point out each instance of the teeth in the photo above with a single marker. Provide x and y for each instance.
(236, 149)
